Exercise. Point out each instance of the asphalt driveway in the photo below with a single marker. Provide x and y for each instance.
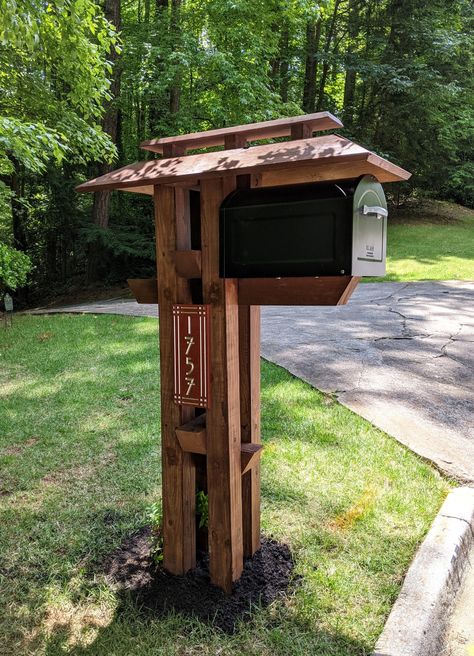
(399, 354)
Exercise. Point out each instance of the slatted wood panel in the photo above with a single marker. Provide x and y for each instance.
(283, 127)
(223, 417)
(178, 471)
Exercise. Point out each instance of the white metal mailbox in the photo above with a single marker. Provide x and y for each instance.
(369, 228)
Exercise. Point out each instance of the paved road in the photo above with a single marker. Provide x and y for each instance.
(399, 354)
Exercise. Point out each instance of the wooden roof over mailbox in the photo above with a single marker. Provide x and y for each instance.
(308, 159)
(219, 450)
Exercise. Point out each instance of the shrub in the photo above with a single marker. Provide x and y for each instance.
(14, 268)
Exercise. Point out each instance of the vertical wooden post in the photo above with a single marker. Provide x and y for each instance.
(224, 479)
(249, 359)
(178, 476)
(249, 347)
(301, 132)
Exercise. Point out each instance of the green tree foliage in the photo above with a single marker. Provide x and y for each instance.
(14, 268)
(54, 71)
(398, 72)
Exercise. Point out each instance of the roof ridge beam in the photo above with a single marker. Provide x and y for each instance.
(295, 127)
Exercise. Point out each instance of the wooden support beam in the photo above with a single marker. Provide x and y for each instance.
(223, 417)
(324, 290)
(192, 435)
(301, 131)
(192, 438)
(322, 172)
(250, 458)
(145, 290)
(249, 357)
(188, 263)
(282, 127)
(178, 477)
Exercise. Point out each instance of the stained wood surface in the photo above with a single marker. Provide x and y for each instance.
(145, 290)
(192, 436)
(346, 158)
(188, 263)
(178, 470)
(324, 171)
(250, 456)
(349, 290)
(326, 290)
(223, 417)
(249, 357)
(283, 127)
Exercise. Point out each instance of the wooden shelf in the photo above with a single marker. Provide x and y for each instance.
(324, 290)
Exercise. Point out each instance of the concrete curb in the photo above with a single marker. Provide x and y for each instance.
(415, 626)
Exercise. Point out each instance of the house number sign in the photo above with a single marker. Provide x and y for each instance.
(191, 355)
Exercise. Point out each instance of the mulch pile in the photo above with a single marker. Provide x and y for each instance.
(266, 576)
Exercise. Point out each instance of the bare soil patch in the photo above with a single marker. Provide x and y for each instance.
(266, 577)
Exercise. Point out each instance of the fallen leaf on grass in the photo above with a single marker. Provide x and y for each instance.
(43, 337)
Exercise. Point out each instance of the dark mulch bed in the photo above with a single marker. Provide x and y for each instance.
(266, 576)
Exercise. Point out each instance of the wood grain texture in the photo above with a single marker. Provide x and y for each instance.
(324, 171)
(281, 127)
(178, 471)
(249, 356)
(250, 457)
(325, 290)
(145, 290)
(192, 436)
(223, 418)
(188, 263)
(345, 157)
(349, 290)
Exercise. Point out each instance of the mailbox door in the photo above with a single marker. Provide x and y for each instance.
(369, 234)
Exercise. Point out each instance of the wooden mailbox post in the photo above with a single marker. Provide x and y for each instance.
(210, 325)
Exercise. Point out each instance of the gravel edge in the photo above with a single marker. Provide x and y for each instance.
(416, 624)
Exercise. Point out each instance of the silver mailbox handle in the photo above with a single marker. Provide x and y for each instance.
(375, 209)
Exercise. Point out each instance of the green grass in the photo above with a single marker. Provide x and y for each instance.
(432, 241)
(80, 464)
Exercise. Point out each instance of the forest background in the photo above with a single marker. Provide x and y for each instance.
(82, 83)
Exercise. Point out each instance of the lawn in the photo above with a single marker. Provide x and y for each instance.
(80, 465)
(430, 241)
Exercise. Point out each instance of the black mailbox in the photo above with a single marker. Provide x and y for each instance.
(322, 229)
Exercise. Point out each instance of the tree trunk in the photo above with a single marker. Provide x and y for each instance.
(101, 202)
(284, 62)
(313, 36)
(351, 75)
(18, 210)
(327, 47)
(175, 89)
